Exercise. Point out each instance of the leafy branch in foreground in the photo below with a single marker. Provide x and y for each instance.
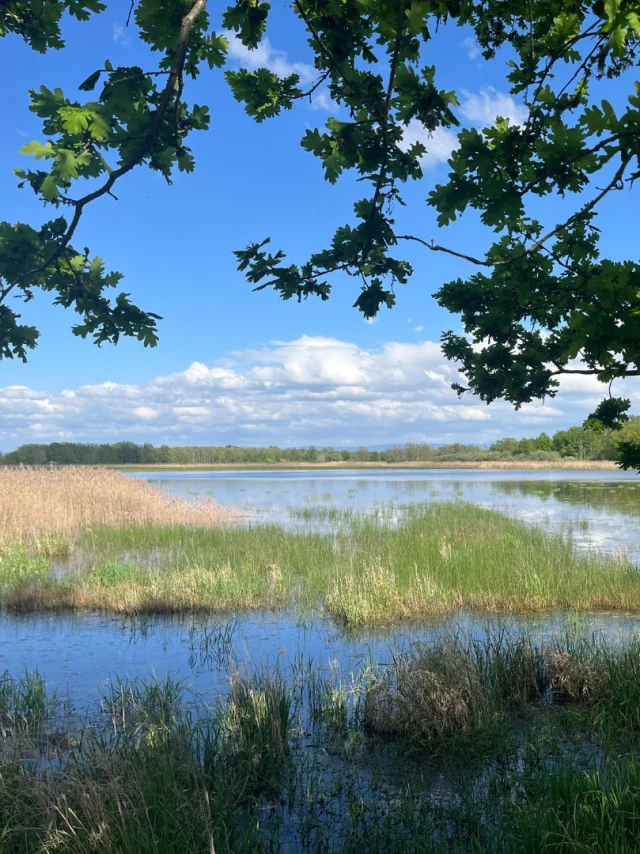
(137, 117)
(543, 302)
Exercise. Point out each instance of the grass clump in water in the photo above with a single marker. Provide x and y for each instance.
(157, 774)
(161, 770)
(455, 687)
(437, 559)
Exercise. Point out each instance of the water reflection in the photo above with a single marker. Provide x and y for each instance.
(601, 510)
(82, 652)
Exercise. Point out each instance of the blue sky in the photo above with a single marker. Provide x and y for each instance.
(295, 374)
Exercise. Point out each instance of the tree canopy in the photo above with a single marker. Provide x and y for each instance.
(540, 302)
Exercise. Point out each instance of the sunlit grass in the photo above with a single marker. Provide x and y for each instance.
(437, 559)
(46, 508)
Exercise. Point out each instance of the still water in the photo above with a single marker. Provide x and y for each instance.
(82, 653)
(600, 508)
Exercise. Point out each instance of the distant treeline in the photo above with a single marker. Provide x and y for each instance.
(576, 443)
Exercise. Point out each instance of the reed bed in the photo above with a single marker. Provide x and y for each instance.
(47, 506)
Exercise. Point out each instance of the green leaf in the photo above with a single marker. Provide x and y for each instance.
(611, 8)
(49, 188)
(38, 150)
(89, 84)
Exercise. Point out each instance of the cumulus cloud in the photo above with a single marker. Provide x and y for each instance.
(472, 47)
(439, 144)
(480, 109)
(267, 56)
(312, 390)
(483, 108)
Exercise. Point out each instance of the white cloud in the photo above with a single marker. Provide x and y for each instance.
(472, 47)
(120, 35)
(483, 108)
(480, 109)
(146, 413)
(266, 56)
(439, 144)
(417, 328)
(312, 390)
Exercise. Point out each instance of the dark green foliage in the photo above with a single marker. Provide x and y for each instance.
(543, 295)
(542, 300)
(135, 117)
(577, 442)
(38, 21)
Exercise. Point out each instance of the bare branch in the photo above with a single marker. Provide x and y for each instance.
(592, 372)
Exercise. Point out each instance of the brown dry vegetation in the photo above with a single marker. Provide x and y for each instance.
(40, 504)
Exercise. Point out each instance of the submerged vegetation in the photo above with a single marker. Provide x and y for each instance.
(304, 760)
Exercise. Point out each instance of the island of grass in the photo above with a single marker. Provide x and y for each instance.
(131, 548)
(504, 742)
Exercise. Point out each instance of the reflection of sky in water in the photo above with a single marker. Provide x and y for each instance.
(602, 509)
(82, 652)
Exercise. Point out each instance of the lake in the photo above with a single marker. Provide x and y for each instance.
(601, 510)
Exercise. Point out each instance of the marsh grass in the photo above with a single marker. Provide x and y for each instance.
(45, 508)
(153, 773)
(158, 769)
(439, 558)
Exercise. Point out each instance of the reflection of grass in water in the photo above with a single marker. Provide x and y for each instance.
(321, 514)
(316, 497)
(438, 558)
(504, 731)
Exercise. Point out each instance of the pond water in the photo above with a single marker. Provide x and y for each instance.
(82, 652)
(600, 508)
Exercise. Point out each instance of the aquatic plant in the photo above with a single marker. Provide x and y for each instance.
(437, 559)
(56, 503)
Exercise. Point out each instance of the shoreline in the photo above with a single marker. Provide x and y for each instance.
(505, 465)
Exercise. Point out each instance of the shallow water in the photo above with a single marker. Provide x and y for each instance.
(600, 508)
(83, 653)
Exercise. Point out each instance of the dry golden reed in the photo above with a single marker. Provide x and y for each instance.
(38, 504)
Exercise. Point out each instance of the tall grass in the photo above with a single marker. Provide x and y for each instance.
(150, 776)
(157, 769)
(45, 507)
(439, 558)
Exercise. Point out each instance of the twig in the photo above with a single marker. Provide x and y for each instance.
(539, 244)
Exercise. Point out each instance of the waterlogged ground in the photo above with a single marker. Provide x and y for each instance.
(346, 789)
(83, 651)
(83, 654)
(600, 509)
